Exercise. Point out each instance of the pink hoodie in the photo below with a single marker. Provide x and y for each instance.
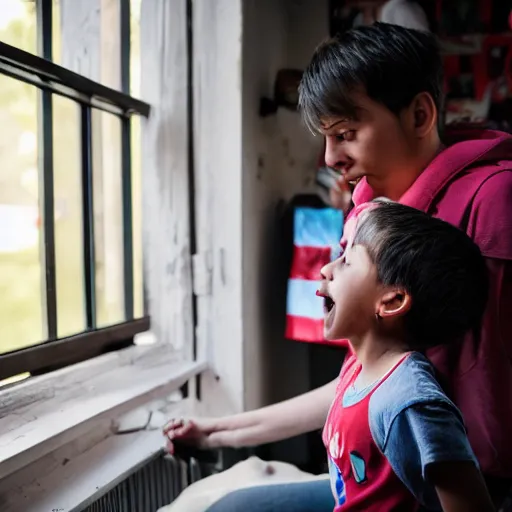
(470, 185)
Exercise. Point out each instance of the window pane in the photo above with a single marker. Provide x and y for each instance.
(21, 292)
(89, 43)
(135, 47)
(68, 217)
(56, 36)
(14, 380)
(108, 218)
(138, 285)
(18, 24)
(138, 288)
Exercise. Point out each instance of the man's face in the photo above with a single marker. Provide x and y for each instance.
(378, 145)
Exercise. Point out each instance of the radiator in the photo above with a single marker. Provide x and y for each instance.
(151, 486)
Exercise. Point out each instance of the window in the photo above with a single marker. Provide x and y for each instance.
(70, 181)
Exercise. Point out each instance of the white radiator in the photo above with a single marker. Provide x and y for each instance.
(153, 485)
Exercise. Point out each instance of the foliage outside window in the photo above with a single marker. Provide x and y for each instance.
(23, 279)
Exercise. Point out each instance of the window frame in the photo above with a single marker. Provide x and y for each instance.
(50, 78)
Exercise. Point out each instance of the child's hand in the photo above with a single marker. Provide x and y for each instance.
(340, 195)
(191, 432)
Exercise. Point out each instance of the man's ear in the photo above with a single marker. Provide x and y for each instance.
(394, 303)
(422, 114)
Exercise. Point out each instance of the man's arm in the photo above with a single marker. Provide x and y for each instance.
(500, 273)
(276, 422)
(460, 487)
(427, 446)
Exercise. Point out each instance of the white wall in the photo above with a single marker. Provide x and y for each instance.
(217, 27)
(244, 167)
(279, 160)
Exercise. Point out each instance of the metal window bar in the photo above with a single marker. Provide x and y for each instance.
(126, 164)
(51, 79)
(126, 169)
(191, 174)
(47, 75)
(88, 218)
(45, 130)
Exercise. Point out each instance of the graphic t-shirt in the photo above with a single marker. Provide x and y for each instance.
(381, 439)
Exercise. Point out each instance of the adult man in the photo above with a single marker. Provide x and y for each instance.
(375, 94)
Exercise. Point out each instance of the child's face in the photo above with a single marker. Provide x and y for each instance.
(351, 292)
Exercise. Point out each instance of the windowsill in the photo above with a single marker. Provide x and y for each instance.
(84, 478)
(54, 484)
(44, 413)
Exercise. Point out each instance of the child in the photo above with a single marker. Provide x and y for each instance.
(395, 441)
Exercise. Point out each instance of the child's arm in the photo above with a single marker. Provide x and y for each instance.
(286, 419)
(427, 446)
(460, 487)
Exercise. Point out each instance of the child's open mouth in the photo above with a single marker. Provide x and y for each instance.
(328, 304)
(329, 308)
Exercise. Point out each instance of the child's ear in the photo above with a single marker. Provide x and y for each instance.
(395, 302)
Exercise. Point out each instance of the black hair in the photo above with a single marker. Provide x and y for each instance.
(391, 64)
(440, 267)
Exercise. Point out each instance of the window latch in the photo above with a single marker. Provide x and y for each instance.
(202, 273)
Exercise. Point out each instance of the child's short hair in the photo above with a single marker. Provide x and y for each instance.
(440, 267)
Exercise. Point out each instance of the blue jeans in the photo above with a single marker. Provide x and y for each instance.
(313, 496)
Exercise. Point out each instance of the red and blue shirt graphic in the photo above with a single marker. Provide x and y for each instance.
(380, 440)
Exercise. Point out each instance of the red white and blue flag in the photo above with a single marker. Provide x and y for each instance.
(316, 236)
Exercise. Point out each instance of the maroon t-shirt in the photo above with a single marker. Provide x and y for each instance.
(469, 185)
